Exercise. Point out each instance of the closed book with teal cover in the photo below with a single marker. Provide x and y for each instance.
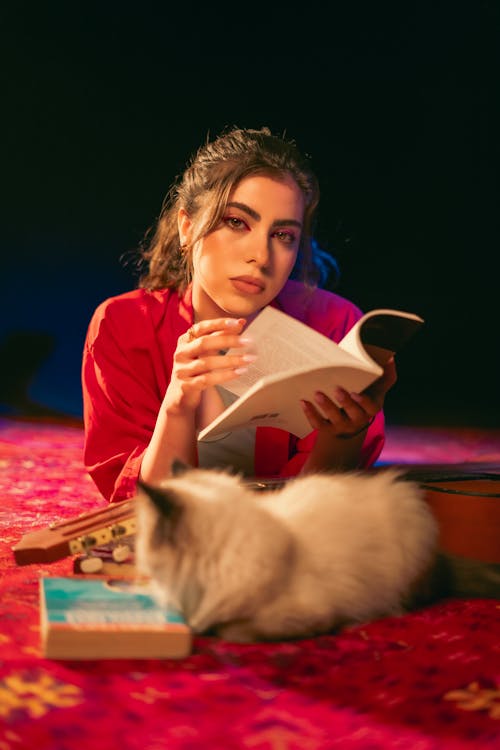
(95, 617)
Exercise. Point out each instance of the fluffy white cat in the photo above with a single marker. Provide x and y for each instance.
(318, 553)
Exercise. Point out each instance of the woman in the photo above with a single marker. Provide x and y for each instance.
(232, 231)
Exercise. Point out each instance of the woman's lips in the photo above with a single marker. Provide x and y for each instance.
(247, 284)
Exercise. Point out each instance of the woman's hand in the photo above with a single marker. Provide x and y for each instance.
(200, 361)
(354, 411)
(341, 431)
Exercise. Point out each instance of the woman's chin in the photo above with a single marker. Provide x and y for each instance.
(242, 307)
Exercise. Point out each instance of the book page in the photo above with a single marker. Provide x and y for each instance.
(282, 344)
(379, 334)
(274, 401)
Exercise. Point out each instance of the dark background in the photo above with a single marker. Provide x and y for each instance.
(396, 105)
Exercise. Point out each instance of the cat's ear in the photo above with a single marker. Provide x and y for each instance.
(178, 467)
(165, 501)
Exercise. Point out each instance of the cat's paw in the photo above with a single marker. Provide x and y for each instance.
(237, 632)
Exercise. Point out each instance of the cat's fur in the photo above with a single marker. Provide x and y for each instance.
(321, 552)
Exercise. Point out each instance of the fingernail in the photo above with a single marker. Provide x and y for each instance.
(245, 340)
(235, 322)
(249, 357)
(340, 395)
(240, 370)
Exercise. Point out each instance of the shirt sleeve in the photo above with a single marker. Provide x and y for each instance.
(121, 399)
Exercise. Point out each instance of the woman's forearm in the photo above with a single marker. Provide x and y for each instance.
(174, 437)
(334, 454)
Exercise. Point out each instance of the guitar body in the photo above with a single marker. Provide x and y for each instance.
(468, 514)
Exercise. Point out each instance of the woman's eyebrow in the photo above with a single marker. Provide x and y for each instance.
(287, 223)
(257, 216)
(246, 209)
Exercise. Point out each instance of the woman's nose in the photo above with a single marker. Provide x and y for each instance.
(259, 252)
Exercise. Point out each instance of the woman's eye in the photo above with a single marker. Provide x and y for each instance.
(233, 222)
(287, 237)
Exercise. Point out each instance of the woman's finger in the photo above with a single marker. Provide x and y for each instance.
(345, 412)
(214, 325)
(207, 364)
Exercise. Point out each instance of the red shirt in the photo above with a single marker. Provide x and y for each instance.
(127, 363)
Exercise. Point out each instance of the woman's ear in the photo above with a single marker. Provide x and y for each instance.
(184, 225)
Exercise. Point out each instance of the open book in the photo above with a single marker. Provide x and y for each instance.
(294, 361)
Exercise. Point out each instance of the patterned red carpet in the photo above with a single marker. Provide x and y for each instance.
(426, 681)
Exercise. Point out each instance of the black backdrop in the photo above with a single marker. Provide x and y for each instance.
(397, 107)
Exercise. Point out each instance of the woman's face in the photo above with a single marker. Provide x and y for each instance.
(243, 264)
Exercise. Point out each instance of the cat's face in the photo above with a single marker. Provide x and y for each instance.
(207, 543)
(177, 522)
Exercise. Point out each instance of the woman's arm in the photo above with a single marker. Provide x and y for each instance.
(138, 415)
(199, 363)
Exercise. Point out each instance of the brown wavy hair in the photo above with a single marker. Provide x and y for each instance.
(203, 191)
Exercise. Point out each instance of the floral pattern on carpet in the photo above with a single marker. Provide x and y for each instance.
(429, 680)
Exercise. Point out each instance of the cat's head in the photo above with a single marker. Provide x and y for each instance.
(207, 542)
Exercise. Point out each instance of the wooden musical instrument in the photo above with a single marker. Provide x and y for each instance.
(467, 508)
(77, 535)
(465, 500)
